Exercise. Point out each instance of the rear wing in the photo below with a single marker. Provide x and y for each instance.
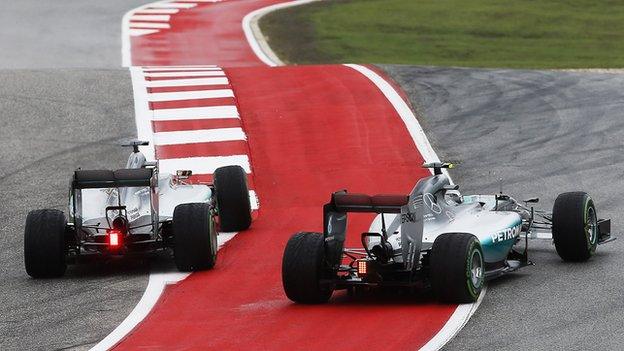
(121, 178)
(344, 202)
(93, 179)
(408, 208)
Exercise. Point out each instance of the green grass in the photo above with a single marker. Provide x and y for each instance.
(471, 33)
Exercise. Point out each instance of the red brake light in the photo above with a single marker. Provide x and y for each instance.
(362, 267)
(114, 238)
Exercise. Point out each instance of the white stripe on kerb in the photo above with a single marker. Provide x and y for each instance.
(151, 18)
(159, 11)
(195, 113)
(149, 25)
(186, 82)
(202, 165)
(253, 199)
(189, 69)
(199, 136)
(216, 73)
(190, 95)
(167, 68)
(134, 32)
(172, 5)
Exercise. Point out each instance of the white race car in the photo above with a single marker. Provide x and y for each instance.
(435, 238)
(136, 209)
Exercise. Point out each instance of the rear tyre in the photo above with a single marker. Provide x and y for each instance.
(233, 203)
(45, 249)
(303, 267)
(575, 228)
(194, 237)
(457, 268)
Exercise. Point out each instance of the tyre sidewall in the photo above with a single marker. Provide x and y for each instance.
(570, 229)
(45, 249)
(303, 266)
(232, 198)
(194, 236)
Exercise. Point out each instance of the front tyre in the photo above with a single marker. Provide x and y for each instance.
(457, 268)
(575, 226)
(45, 249)
(194, 237)
(303, 267)
(232, 193)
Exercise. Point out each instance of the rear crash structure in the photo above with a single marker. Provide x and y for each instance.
(434, 238)
(137, 210)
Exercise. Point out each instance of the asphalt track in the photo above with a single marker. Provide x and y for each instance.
(62, 33)
(543, 132)
(54, 121)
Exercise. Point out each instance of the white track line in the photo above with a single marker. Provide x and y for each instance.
(203, 165)
(186, 82)
(410, 121)
(463, 312)
(199, 136)
(142, 113)
(195, 113)
(458, 320)
(190, 95)
(155, 287)
(255, 38)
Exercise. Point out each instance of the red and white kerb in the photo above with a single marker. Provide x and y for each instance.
(156, 16)
(189, 115)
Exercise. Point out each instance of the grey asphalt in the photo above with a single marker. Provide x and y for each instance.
(54, 121)
(543, 132)
(62, 33)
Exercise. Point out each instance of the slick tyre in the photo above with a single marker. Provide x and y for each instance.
(457, 268)
(233, 202)
(574, 227)
(194, 237)
(45, 249)
(303, 267)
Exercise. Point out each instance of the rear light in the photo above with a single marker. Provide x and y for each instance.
(114, 237)
(362, 267)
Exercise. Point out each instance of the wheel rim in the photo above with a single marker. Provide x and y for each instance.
(591, 226)
(476, 269)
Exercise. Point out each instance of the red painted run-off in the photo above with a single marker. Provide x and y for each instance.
(210, 33)
(312, 130)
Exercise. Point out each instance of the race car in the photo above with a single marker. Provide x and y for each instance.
(138, 210)
(434, 238)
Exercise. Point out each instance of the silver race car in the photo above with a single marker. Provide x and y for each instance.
(136, 209)
(436, 238)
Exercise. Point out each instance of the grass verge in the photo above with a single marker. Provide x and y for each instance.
(471, 33)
